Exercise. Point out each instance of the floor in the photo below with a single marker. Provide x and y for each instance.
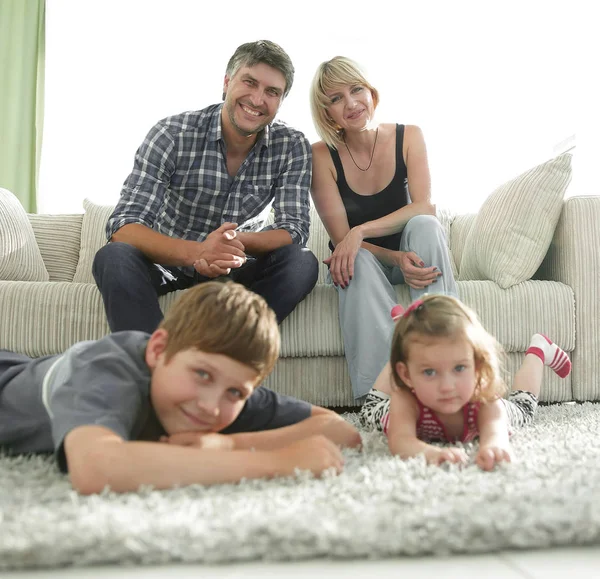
(576, 563)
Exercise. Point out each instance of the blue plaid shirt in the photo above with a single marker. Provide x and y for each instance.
(180, 186)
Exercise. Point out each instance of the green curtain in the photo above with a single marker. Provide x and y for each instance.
(22, 47)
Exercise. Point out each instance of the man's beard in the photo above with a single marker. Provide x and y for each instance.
(245, 133)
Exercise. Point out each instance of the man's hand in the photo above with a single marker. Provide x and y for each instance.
(416, 275)
(489, 456)
(220, 252)
(315, 453)
(205, 441)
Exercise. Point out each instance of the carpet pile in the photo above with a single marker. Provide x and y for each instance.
(380, 506)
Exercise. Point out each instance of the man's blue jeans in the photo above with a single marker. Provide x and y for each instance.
(130, 283)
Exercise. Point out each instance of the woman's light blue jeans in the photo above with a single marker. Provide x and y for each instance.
(365, 305)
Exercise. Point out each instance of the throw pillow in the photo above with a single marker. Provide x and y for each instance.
(93, 237)
(514, 227)
(20, 257)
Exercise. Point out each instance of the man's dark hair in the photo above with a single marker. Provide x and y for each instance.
(262, 51)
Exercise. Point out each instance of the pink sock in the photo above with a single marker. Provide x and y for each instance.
(550, 354)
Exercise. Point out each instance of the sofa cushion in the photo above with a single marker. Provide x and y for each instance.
(514, 227)
(20, 257)
(93, 237)
(512, 316)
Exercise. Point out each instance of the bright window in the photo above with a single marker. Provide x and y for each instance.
(490, 83)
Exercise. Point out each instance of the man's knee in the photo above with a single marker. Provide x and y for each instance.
(116, 250)
(301, 261)
(116, 258)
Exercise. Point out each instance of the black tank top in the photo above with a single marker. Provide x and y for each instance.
(363, 208)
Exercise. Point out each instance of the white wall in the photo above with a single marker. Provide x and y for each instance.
(490, 82)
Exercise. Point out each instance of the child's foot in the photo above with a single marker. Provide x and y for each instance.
(550, 354)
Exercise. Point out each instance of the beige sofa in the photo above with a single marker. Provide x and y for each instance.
(561, 299)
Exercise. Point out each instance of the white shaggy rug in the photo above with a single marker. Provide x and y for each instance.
(379, 507)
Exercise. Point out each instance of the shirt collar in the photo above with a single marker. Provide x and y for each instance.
(214, 131)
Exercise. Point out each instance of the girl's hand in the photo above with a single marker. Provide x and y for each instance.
(205, 441)
(490, 456)
(341, 262)
(437, 455)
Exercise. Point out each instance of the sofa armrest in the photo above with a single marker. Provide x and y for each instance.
(574, 259)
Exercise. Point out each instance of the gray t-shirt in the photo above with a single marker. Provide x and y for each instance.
(104, 382)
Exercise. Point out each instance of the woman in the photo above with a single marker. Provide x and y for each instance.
(372, 190)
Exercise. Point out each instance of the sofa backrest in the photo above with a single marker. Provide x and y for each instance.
(68, 243)
(59, 240)
(461, 226)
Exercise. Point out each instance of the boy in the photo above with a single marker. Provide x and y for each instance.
(136, 409)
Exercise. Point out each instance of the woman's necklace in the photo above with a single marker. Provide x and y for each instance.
(372, 152)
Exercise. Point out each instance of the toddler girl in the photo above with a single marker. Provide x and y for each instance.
(442, 384)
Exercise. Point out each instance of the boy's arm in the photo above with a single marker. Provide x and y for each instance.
(97, 457)
(321, 421)
(402, 432)
(494, 444)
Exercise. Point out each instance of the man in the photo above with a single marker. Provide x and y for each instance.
(195, 204)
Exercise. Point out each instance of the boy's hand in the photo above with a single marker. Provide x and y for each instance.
(489, 456)
(205, 441)
(437, 455)
(315, 453)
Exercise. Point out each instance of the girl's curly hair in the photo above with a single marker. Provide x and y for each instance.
(442, 316)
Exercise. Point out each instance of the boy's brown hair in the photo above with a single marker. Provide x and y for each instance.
(442, 316)
(224, 318)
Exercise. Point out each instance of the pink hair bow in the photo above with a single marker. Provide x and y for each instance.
(398, 310)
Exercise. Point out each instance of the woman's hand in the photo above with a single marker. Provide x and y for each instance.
(341, 262)
(416, 275)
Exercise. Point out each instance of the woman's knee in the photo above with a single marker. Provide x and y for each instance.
(364, 260)
(368, 278)
(424, 229)
(427, 223)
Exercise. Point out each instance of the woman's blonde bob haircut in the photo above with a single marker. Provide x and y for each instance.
(224, 318)
(331, 75)
(442, 316)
